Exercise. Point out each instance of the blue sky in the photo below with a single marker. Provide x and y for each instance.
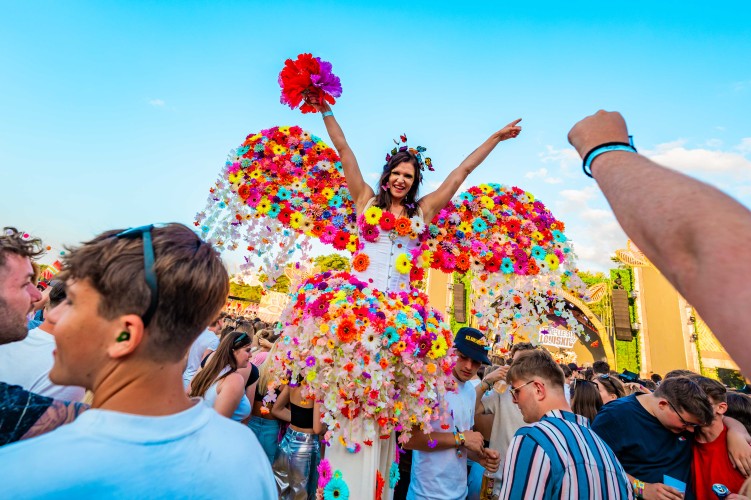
(115, 114)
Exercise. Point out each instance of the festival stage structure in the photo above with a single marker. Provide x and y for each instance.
(635, 319)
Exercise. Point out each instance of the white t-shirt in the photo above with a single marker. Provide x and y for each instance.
(196, 453)
(442, 475)
(207, 340)
(28, 363)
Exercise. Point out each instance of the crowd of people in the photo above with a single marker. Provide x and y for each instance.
(124, 379)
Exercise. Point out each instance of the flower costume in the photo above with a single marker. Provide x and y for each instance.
(366, 344)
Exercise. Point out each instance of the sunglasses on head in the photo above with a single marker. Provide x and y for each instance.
(239, 340)
(148, 266)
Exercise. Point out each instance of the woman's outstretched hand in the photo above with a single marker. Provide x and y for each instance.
(510, 131)
(322, 107)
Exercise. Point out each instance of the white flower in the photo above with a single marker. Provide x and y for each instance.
(418, 226)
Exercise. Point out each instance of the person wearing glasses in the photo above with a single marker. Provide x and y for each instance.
(136, 301)
(652, 435)
(557, 455)
(220, 383)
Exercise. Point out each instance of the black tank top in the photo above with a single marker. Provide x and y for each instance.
(301, 417)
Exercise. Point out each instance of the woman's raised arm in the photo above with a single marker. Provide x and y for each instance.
(432, 203)
(360, 190)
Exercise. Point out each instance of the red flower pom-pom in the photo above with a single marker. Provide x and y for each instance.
(308, 75)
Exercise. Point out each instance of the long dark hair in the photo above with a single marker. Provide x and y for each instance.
(223, 357)
(586, 400)
(383, 196)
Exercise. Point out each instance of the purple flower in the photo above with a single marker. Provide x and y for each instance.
(326, 80)
(310, 361)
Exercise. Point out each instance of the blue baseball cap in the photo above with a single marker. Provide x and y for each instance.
(473, 344)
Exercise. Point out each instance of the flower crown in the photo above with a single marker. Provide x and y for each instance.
(401, 146)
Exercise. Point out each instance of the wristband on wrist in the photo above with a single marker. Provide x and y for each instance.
(327, 113)
(604, 148)
(489, 384)
(638, 488)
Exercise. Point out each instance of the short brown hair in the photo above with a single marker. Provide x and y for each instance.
(716, 392)
(686, 395)
(192, 283)
(521, 346)
(536, 363)
(679, 373)
(612, 385)
(15, 242)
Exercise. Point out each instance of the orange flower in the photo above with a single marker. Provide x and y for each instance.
(361, 262)
(403, 226)
(346, 331)
(349, 367)
(384, 364)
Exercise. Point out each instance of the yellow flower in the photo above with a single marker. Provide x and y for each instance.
(311, 376)
(330, 344)
(256, 174)
(255, 138)
(279, 150)
(352, 244)
(537, 235)
(295, 220)
(324, 327)
(487, 202)
(530, 196)
(438, 348)
(284, 130)
(373, 215)
(552, 261)
(485, 188)
(464, 227)
(263, 206)
(233, 178)
(328, 193)
(403, 263)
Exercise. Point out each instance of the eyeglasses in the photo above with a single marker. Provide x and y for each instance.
(148, 266)
(514, 391)
(685, 424)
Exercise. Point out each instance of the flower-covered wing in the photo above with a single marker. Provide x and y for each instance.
(308, 76)
(516, 250)
(280, 188)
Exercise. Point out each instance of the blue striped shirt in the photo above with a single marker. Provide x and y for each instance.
(561, 457)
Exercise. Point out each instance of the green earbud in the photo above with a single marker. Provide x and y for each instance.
(123, 336)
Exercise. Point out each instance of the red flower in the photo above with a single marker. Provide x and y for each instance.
(493, 264)
(340, 240)
(284, 216)
(462, 262)
(387, 221)
(380, 483)
(244, 191)
(416, 273)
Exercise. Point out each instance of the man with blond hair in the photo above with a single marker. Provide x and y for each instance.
(137, 299)
(557, 455)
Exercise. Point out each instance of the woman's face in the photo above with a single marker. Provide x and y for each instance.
(604, 394)
(242, 356)
(401, 179)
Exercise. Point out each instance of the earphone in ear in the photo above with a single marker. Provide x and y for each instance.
(123, 336)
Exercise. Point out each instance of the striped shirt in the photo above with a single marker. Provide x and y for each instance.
(561, 457)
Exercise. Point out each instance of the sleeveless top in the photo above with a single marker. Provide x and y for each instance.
(382, 272)
(301, 416)
(242, 410)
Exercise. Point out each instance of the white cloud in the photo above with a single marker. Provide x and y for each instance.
(157, 103)
(745, 146)
(704, 161)
(568, 159)
(373, 175)
(714, 143)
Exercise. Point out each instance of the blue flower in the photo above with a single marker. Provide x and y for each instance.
(507, 265)
(538, 252)
(338, 220)
(335, 201)
(466, 197)
(258, 148)
(393, 475)
(336, 489)
(296, 158)
(274, 210)
(434, 231)
(479, 225)
(559, 236)
(241, 151)
(283, 193)
(391, 334)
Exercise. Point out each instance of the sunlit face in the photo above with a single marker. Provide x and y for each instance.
(82, 337)
(465, 367)
(401, 179)
(242, 356)
(18, 292)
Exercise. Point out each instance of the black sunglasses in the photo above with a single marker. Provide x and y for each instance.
(148, 266)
